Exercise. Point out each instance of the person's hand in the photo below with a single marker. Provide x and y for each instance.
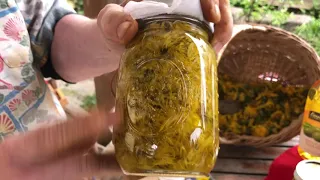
(60, 151)
(116, 26)
(119, 28)
(219, 12)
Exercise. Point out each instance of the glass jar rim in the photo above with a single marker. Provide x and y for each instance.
(171, 17)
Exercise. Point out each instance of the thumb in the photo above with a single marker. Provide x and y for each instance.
(116, 25)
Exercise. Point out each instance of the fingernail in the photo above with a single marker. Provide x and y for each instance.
(123, 28)
(216, 10)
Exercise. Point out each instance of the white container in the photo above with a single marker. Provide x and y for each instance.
(307, 170)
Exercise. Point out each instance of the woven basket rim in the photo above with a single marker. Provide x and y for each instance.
(262, 27)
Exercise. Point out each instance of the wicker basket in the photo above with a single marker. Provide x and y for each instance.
(257, 49)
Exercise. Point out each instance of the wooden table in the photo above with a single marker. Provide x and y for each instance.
(246, 163)
(240, 163)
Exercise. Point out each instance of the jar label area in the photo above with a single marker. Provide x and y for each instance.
(310, 132)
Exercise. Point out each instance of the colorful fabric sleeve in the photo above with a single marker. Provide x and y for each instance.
(41, 16)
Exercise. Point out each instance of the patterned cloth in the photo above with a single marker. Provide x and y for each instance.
(26, 32)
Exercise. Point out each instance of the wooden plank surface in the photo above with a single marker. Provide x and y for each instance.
(236, 152)
(219, 176)
(248, 163)
(242, 166)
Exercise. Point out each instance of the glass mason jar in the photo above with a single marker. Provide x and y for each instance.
(167, 99)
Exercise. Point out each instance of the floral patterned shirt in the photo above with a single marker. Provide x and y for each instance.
(26, 32)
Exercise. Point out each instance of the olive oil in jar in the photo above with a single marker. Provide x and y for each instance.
(168, 101)
(309, 145)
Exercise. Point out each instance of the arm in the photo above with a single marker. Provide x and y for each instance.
(79, 50)
(84, 48)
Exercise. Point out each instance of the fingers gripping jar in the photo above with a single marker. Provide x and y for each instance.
(167, 98)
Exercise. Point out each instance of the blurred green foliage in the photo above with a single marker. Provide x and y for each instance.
(311, 33)
(77, 5)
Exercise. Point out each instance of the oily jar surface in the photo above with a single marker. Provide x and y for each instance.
(167, 98)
